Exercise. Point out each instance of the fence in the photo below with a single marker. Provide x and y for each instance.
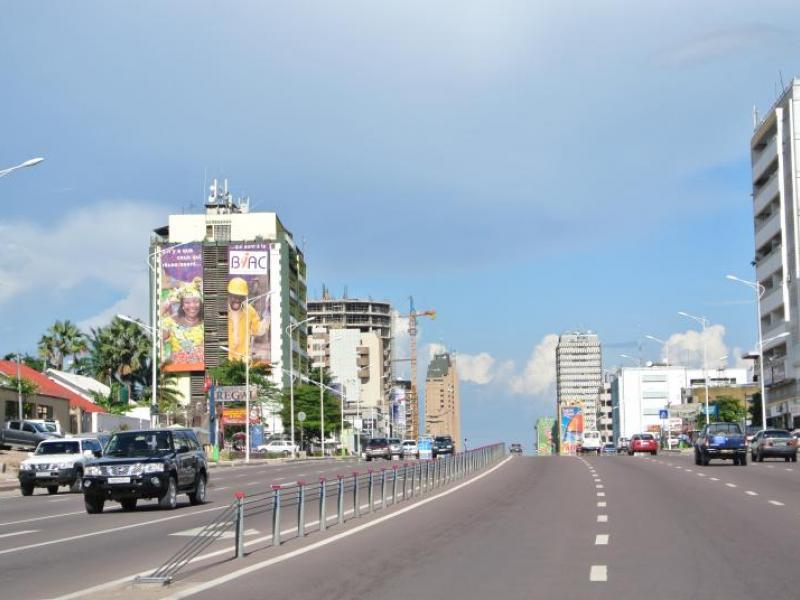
(334, 501)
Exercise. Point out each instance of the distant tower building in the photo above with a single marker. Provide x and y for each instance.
(442, 399)
(578, 379)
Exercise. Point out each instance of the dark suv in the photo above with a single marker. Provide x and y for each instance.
(443, 444)
(378, 448)
(158, 463)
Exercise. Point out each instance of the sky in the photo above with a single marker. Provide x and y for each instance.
(523, 168)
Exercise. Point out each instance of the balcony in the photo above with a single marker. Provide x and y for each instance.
(768, 230)
(772, 300)
(770, 263)
(765, 158)
(765, 194)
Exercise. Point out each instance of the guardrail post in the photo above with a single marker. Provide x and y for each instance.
(276, 515)
(323, 520)
(413, 479)
(383, 488)
(405, 480)
(301, 509)
(370, 496)
(340, 499)
(356, 507)
(239, 524)
(394, 484)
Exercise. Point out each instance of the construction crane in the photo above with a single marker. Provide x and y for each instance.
(412, 334)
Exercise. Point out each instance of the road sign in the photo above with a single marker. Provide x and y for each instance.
(425, 447)
(663, 414)
(301, 416)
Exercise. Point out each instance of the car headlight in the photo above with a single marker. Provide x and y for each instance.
(92, 471)
(64, 465)
(154, 468)
(25, 466)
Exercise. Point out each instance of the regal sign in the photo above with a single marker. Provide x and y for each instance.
(234, 393)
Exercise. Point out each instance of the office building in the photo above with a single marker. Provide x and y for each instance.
(776, 218)
(442, 399)
(605, 417)
(578, 380)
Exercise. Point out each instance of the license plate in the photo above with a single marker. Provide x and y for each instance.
(46, 474)
(119, 480)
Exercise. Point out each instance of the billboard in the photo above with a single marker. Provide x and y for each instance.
(248, 302)
(236, 416)
(399, 409)
(544, 435)
(181, 308)
(571, 428)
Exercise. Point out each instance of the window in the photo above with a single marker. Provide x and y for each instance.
(28, 427)
(44, 412)
(14, 425)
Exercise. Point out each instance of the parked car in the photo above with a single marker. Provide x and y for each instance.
(283, 447)
(777, 443)
(52, 426)
(721, 440)
(410, 449)
(151, 463)
(591, 442)
(622, 444)
(25, 434)
(609, 448)
(643, 442)
(57, 462)
(443, 444)
(516, 448)
(378, 448)
(395, 447)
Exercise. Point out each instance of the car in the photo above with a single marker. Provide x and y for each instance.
(410, 448)
(396, 447)
(377, 448)
(25, 434)
(622, 444)
(283, 447)
(775, 443)
(443, 444)
(609, 448)
(591, 442)
(52, 426)
(57, 462)
(643, 442)
(148, 463)
(516, 448)
(723, 440)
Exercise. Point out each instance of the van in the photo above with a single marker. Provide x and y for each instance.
(591, 442)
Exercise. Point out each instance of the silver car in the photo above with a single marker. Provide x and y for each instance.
(410, 449)
(395, 447)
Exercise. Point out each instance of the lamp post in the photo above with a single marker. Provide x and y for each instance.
(28, 163)
(19, 389)
(660, 341)
(289, 331)
(704, 323)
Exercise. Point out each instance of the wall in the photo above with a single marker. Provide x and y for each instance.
(107, 422)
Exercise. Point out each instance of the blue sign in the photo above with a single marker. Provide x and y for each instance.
(425, 446)
(256, 436)
(663, 413)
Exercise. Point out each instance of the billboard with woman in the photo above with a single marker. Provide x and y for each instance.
(181, 308)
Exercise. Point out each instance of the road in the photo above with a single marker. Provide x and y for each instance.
(600, 527)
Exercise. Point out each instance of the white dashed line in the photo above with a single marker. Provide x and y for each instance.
(219, 489)
(776, 503)
(701, 475)
(599, 486)
(770, 467)
(601, 505)
(790, 470)
(714, 479)
(601, 539)
(731, 484)
(751, 493)
(5, 535)
(688, 470)
(598, 573)
(601, 494)
(602, 518)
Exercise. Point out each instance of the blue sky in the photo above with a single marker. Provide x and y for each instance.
(524, 168)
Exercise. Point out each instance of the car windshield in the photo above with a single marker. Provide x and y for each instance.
(378, 442)
(777, 434)
(724, 428)
(409, 443)
(394, 441)
(646, 436)
(59, 448)
(143, 443)
(443, 440)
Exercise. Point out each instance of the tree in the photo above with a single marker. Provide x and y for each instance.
(118, 352)
(26, 387)
(755, 410)
(62, 339)
(306, 399)
(728, 409)
(167, 393)
(232, 372)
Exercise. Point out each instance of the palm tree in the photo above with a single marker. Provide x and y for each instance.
(167, 392)
(118, 351)
(61, 340)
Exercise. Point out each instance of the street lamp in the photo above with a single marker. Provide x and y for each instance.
(28, 163)
(289, 331)
(153, 393)
(660, 341)
(704, 323)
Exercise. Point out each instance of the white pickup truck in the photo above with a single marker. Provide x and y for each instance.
(591, 442)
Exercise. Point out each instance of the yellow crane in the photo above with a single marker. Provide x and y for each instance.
(413, 402)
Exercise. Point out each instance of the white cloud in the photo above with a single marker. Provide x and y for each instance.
(134, 304)
(433, 349)
(539, 375)
(476, 368)
(687, 348)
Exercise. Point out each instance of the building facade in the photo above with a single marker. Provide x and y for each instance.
(442, 399)
(605, 412)
(248, 277)
(776, 219)
(579, 369)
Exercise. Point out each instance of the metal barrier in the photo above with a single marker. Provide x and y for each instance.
(418, 479)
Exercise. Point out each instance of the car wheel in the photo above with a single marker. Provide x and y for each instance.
(170, 497)
(704, 459)
(752, 456)
(787, 459)
(128, 504)
(27, 490)
(760, 456)
(735, 461)
(743, 460)
(52, 489)
(198, 496)
(794, 458)
(654, 452)
(77, 485)
(93, 505)
(696, 457)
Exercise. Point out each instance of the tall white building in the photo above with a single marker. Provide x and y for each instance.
(579, 376)
(776, 214)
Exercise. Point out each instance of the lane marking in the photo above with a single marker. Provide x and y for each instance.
(58, 500)
(701, 474)
(601, 494)
(788, 469)
(731, 484)
(69, 514)
(219, 489)
(601, 539)
(598, 573)
(751, 493)
(601, 505)
(770, 467)
(5, 535)
(776, 503)
(602, 518)
(688, 470)
(714, 479)
(599, 486)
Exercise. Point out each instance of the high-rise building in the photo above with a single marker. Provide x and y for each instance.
(775, 156)
(226, 278)
(578, 380)
(442, 398)
(605, 416)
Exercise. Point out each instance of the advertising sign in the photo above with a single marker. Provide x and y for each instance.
(399, 408)
(236, 416)
(248, 304)
(571, 428)
(544, 435)
(256, 436)
(234, 393)
(425, 446)
(181, 308)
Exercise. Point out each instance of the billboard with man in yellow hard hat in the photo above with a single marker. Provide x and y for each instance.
(249, 302)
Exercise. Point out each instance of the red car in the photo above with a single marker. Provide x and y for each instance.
(643, 442)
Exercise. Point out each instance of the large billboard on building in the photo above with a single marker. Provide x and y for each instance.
(399, 409)
(248, 303)
(544, 435)
(181, 307)
(571, 428)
